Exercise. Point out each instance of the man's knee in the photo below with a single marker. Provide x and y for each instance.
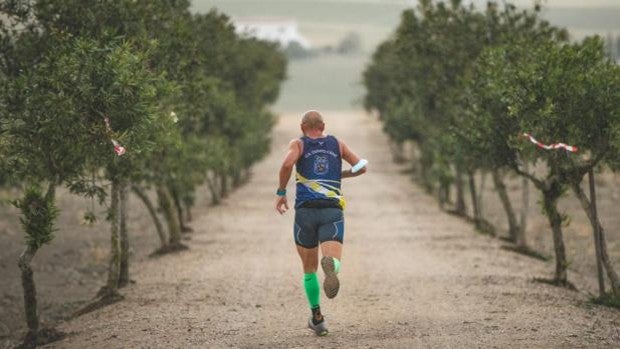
(332, 249)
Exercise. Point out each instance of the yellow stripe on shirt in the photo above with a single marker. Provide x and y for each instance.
(322, 188)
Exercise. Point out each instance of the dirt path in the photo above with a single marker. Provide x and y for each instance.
(412, 276)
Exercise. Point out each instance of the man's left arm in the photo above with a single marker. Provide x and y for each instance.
(349, 156)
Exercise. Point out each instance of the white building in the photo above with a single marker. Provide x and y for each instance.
(281, 30)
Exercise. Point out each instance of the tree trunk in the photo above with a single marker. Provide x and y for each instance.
(188, 212)
(481, 224)
(611, 272)
(425, 166)
(28, 285)
(30, 296)
(443, 194)
(165, 203)
(550, 200)
(108, 294)
(460, 194)
(397, 151)
(187, 202)
(123, 279)
(224, 185)
(212, 184)
(474, 200)
(237, 179)
(115, 247)
(500, 187)
(597, 233)
(483, 181)
(151, 209)
(176, 200)
(525, 206)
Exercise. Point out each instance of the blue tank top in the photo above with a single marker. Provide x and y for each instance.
(319, 171)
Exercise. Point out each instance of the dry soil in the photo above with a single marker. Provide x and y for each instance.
(412, 276)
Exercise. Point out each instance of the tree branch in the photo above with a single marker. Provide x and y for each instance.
(537, 182)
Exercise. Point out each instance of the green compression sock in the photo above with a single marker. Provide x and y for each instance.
(336, 265)
(311, 284)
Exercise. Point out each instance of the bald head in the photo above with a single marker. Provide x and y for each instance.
(312, 121)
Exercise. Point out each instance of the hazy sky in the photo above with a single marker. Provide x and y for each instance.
(565, 3)
(549, 3)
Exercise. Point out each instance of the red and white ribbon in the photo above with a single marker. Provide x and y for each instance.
(569, 148)
(118, 148)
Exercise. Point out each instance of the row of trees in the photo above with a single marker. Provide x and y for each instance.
(108, 97)
(465, 84)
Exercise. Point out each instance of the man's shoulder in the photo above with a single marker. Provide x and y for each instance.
(341, 144)
(297, 144)
(336, 139)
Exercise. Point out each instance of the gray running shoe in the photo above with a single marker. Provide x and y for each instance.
(320, 329)
(331, 285)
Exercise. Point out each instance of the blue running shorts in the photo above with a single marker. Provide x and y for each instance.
(314, 225)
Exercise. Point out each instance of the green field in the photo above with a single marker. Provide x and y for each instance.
(330, 82)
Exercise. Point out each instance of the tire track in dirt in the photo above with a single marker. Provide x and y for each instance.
(411, 276)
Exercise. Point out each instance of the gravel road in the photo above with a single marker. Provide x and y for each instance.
(412, 275)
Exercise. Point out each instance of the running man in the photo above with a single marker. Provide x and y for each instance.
(318, 207)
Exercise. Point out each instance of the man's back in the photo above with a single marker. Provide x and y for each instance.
(319, 170)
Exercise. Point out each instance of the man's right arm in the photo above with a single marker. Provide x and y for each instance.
(293, 154)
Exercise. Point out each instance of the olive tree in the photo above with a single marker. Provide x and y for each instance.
(558, 92)
(414, 84)
(55, 129)
(506, 26)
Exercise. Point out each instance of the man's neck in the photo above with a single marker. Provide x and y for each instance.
(315, 134)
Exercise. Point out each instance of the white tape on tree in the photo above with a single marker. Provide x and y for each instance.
(118, 149)
(569, 148)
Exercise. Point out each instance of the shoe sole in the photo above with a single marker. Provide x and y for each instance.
(331, 284)
(320, 333)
